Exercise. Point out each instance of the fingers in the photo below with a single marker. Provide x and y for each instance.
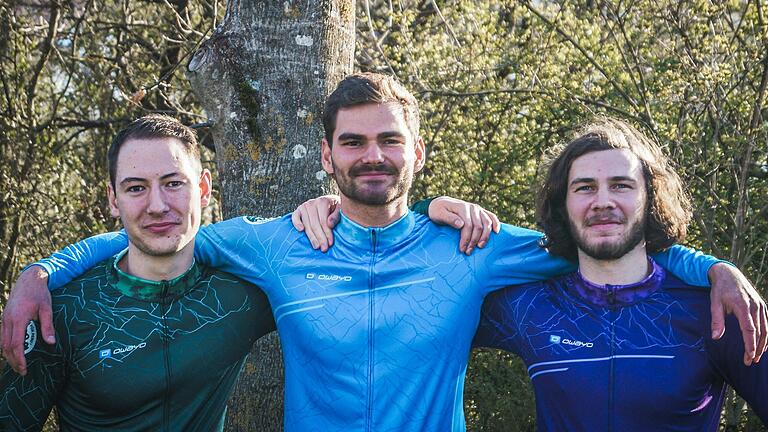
(495, 221)
(315, 227)
(323, 210)
(761, 322)
(7, 339)
(333, 219)
(475, 222)
(478, 220)
(718, 318)
(748, 332)
(296, 220)
(15, 356)
(302, 215)
(464, 214)
(317, 217)
(487, 220)
(45, 313)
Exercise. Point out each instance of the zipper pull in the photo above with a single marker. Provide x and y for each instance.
(165, 285)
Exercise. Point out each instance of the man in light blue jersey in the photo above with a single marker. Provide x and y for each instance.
(376, 332)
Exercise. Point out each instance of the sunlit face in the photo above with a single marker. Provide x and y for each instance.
(606, 202)
(158, 195)
(374, 155)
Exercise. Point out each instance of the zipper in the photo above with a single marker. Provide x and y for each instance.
(374, 244)
(611, 371)
(167, 358)
(611, 294)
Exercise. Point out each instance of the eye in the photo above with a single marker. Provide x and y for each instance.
(351, 143)
(584, 188)
(622, 186)
(392, 141)
(175, 184)
(134, 189)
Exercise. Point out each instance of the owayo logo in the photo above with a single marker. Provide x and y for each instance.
(107, 353)
(30, 338)
(325, 277)
(558, 340)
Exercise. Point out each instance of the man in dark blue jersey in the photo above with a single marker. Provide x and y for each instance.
(620, 344)
(376, 333)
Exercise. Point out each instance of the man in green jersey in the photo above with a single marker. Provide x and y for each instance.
(148, 339)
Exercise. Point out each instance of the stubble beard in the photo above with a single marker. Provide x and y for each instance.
(352, 190)
(610, 250)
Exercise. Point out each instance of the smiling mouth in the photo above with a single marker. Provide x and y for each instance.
(160, 227)
(374, 174)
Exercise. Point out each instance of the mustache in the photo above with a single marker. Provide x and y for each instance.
(367, 168)
(603, 218)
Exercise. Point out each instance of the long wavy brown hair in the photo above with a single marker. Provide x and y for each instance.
(668, 210)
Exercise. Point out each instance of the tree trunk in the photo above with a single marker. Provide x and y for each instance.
(262, 79)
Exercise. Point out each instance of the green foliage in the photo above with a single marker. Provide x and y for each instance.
(501, 81)
(72, 74)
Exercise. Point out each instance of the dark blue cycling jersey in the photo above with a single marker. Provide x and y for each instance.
(622, 358)
(376, 332)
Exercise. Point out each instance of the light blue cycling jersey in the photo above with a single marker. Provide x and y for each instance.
(376, 332)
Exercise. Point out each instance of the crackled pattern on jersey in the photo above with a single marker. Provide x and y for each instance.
(125, 363)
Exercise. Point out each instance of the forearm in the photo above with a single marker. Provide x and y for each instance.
(65, 265)
(691, 266)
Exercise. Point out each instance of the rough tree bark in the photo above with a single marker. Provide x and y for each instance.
(262, 79)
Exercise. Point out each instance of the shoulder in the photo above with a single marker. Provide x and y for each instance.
(89, 284)
(240, 226)
(675, 287)
(222, 279)
(514, 294)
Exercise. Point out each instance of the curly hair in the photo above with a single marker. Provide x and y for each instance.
(668, 208)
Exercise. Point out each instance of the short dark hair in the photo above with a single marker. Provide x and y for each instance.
(148, 127)
(369, 88)
(668, 209)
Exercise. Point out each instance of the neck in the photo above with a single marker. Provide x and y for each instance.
(374, 215)
(156, 268)
(630, 268)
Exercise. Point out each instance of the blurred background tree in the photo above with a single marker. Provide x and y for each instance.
(499, 82)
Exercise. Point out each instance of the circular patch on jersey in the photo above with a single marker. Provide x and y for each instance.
(30, 339)
(255, 220)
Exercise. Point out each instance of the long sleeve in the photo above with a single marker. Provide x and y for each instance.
(26, 401)
(749, 382)
(65, 265)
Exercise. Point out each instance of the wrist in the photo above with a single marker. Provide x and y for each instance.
(719, 270)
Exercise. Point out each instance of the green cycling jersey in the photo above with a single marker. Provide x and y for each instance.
(133, 354)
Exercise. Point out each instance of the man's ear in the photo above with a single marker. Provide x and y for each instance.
(113, 209)
(421, 155)
(205, 188)
(326, 156)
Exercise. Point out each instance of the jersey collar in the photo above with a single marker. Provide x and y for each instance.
(149, 290)
(386, 236)
(615, 295)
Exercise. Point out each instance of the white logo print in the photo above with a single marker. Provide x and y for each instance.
(30, 338)
(332, 277)
(557, 339)
(107, 353)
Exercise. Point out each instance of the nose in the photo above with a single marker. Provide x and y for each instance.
(373, 154)
(157, 201)
(603, 199)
